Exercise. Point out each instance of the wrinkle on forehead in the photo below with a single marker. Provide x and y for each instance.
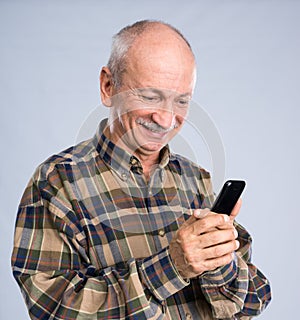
(161, 60)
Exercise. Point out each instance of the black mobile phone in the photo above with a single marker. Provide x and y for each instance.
(228, 196)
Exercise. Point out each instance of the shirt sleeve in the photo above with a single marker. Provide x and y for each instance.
(237, 290)
(57, 278)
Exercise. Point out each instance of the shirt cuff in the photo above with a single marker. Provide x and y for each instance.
(220, 276)
(161, 276)
(212, 283)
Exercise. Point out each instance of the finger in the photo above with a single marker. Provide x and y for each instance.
(197, 214)
(212, 252)
(217, 237)
(198, 267)
(236, 209)
(208, 222)
(212, 264)
(202, 213)
(221, 249)
(192, 218)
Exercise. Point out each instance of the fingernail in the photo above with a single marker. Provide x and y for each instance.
(226, 218)
(237, 244)
(197, 213)
(235, 233)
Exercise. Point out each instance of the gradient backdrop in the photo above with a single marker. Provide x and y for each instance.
(248, 83)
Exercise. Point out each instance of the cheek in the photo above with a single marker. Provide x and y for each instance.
(132, 114)
(128, 105)
(180, 119)
(128, 118)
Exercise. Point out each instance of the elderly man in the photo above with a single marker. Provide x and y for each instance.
(115, 227)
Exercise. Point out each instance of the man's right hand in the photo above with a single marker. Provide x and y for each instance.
(204, 242)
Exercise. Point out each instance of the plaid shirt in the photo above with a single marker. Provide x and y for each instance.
(92, 236)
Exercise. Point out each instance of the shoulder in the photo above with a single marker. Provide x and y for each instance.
(52, 174)
(65, 160)
(73, 154)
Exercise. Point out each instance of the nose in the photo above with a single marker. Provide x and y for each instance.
(165, 117)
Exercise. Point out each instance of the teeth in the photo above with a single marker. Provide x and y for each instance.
(153, 130)
(148, 125)
(157, 128)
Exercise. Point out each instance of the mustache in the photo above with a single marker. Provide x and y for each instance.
(153, 126)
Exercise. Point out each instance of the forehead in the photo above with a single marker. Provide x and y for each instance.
(160, 61)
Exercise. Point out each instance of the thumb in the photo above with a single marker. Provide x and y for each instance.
(197, 214)
(236, 209)
(201, 213)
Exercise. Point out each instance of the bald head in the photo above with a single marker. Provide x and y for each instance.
(143, 37)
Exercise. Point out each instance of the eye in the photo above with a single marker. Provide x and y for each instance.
(148, 98)
(183, 103)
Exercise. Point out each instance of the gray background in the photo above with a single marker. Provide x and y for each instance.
(248, 82)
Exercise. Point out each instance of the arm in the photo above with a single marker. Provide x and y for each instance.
(53, 267)
(205, 248)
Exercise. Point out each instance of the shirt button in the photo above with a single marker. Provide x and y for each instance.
(161, 232)
(150, 193)
(124, 176)
(188, 316)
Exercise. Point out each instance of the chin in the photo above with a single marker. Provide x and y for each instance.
(152, 147)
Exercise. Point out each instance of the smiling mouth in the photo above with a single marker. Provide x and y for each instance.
(153, 133)
(154, 127)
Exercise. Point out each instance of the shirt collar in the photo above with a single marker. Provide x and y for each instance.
(119, 159)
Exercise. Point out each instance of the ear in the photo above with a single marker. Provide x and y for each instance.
(106, 86)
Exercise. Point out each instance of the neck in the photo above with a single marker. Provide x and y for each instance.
(148, 160)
